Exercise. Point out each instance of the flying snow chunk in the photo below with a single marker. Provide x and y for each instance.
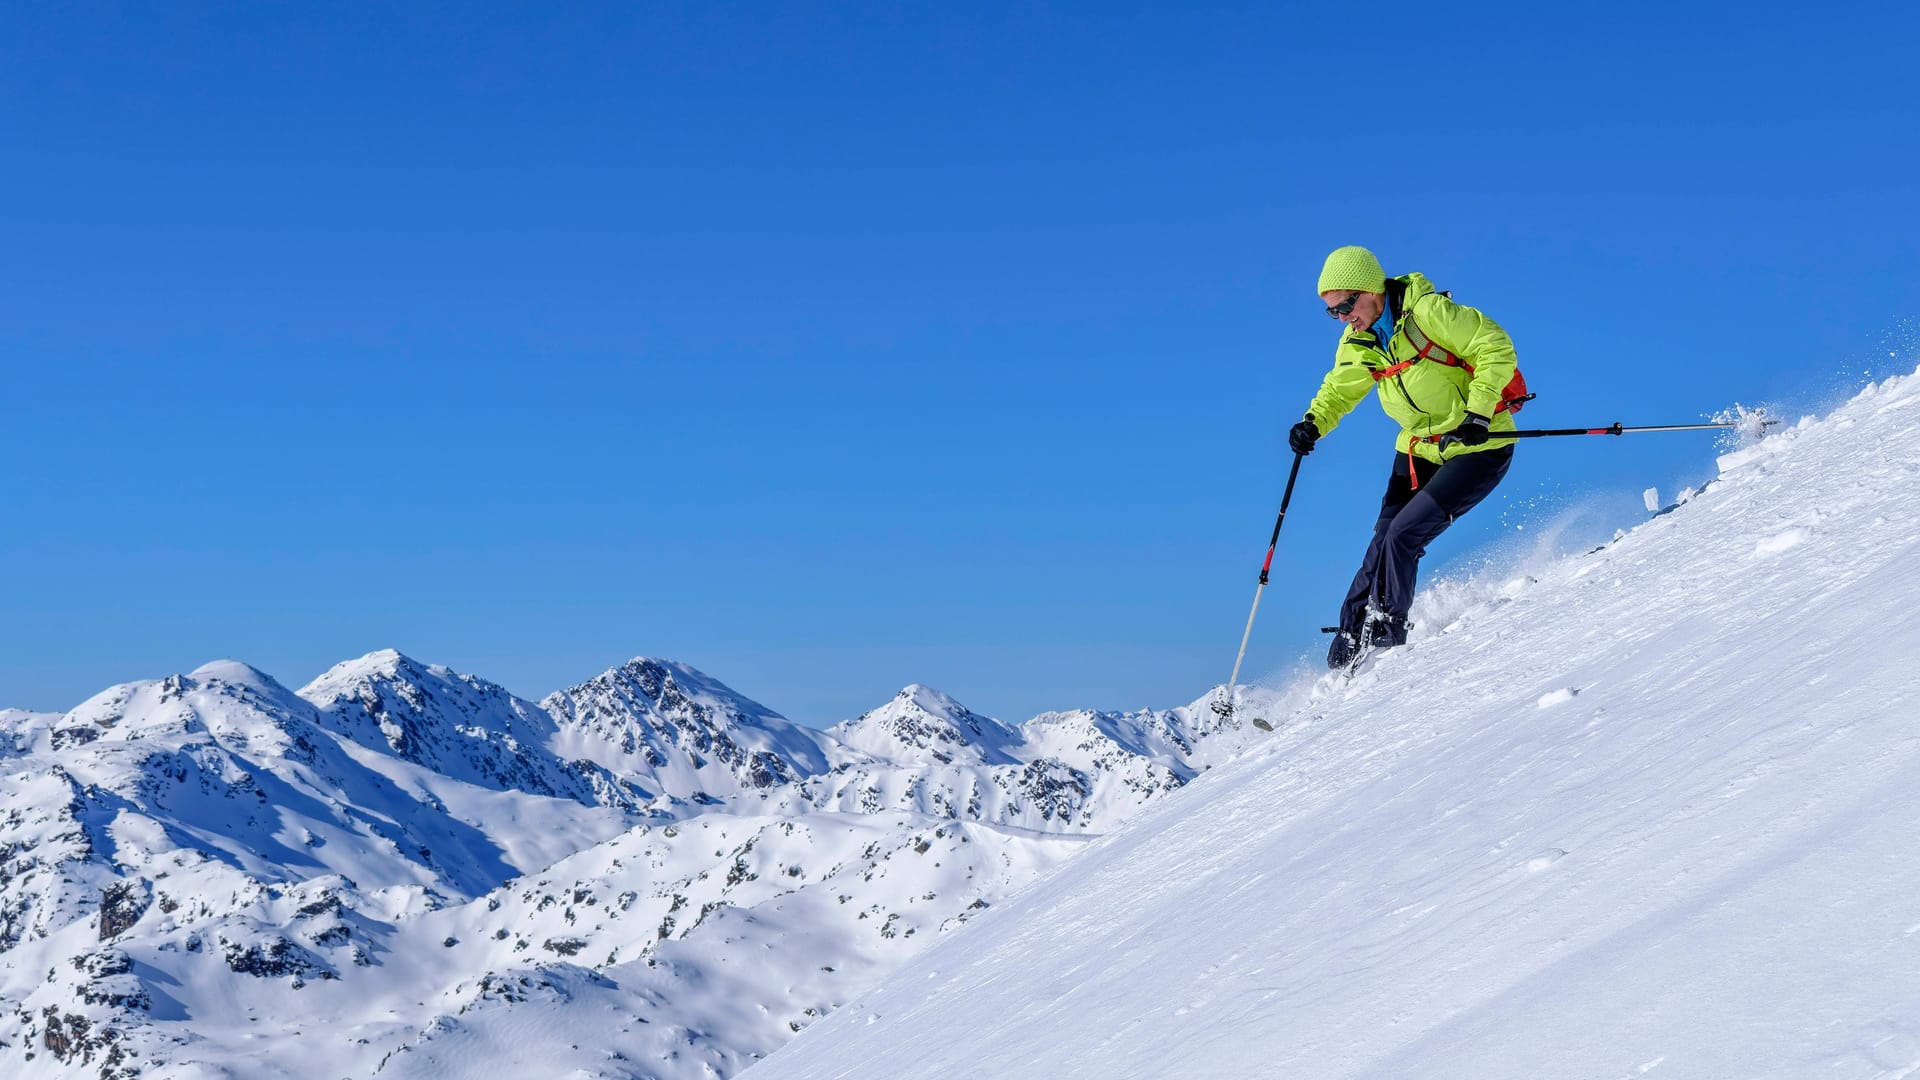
(1557, 697)
(1749, 423)
(1651, 497)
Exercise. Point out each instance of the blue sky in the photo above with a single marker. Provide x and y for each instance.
(829, 348)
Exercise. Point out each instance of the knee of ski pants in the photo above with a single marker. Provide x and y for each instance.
(1415, 526)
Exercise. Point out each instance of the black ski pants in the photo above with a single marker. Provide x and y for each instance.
(1409, 521)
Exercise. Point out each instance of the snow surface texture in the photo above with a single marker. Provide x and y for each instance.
(1653, 811)
(403, 871)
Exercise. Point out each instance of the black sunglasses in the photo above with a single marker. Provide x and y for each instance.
(1344, 308)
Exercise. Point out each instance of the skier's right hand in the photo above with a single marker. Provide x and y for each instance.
(1303, 436)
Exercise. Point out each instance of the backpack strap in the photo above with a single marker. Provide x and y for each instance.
(1425, 348)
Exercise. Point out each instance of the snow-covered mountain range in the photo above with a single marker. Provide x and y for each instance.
(401, 870)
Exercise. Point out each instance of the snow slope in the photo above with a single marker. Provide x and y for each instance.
(1651, 812)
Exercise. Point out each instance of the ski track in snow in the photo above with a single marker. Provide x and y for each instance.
(1655, 813)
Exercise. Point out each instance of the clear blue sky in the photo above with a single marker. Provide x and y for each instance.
(829, 348)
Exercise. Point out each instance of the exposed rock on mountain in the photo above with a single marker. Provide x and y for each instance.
(459, 726)
(391, 869)
(922, 726)
(677, 732)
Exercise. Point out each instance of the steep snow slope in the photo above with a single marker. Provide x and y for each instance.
(1654, 813)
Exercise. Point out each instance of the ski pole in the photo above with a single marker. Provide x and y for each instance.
(1614, 428)
(1225, 705)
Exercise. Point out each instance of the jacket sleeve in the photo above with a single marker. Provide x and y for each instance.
(1343, 388)
(1469, 334)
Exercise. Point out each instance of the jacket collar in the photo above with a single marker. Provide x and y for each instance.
(1402, 294)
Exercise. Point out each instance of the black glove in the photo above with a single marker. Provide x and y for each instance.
(1472, 431)
(1304, 435)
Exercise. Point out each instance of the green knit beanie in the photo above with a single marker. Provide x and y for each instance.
(1351, 268)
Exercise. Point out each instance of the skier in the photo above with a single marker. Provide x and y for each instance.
(1444, 371)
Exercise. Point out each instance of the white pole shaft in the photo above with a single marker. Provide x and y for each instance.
(1235, 677)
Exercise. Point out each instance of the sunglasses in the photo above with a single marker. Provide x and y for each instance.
(1344, 308)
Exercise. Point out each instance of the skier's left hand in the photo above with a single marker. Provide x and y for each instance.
(1472, 431)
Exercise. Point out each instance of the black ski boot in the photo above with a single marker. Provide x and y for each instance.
(1346, 645)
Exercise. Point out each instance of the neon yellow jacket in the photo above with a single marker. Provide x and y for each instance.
(1429, 398)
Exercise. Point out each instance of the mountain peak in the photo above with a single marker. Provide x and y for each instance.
(922, 725)
(457, 725)
(687, 734)
(931, 700)
(236, 673)
(666, 680)
(356, 677)
(381, 663)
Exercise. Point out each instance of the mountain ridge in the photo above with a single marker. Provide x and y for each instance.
(207, 858)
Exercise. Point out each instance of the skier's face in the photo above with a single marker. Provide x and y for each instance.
(1366, 307)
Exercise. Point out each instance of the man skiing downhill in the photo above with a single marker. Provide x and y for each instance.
(1446, 373)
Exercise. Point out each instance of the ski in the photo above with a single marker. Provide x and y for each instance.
(1361, 654)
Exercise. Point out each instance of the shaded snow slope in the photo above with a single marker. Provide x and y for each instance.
(1653, 812)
